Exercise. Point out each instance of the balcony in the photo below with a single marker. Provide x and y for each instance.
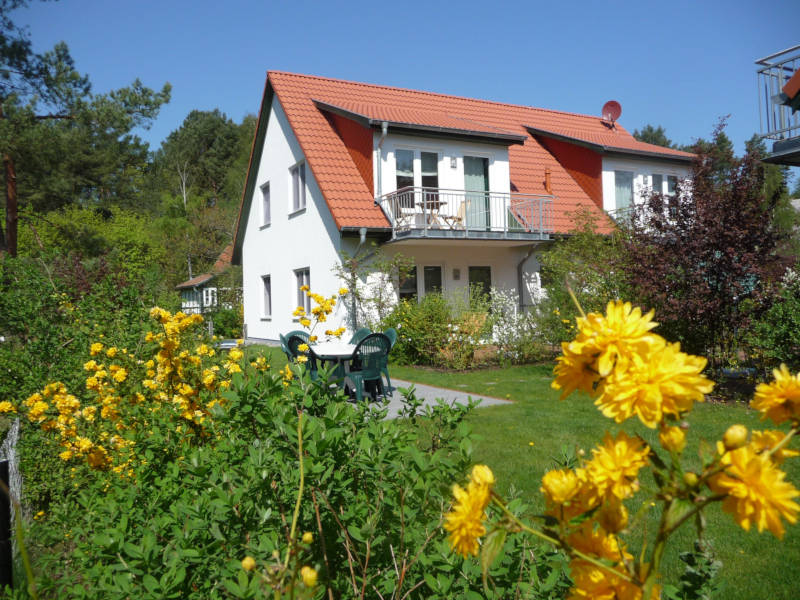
(422, 212)
(778, 102)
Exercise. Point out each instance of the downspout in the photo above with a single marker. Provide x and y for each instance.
(384, 131)
(520, 281)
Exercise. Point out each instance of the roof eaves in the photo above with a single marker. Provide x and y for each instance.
(195, 281)
(512, 138)
(250, 182)
(603, 149)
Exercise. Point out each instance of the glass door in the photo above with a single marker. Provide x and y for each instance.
(481, 278)
(476, 184)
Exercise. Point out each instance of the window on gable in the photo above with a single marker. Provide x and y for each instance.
(267, 282)
(303, 280)
(266, 212)
(298, 176)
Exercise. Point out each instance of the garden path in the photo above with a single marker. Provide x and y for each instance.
(430, 393)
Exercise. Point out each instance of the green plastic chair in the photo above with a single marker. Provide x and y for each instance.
(369, 355)
(292, 344)
(390, 333)
(360, 335)
(285, 348)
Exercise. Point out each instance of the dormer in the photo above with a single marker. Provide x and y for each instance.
(438, 174)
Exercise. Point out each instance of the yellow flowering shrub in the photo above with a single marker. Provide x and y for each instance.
(182, 380)
(631, 372)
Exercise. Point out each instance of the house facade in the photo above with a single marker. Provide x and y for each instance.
(470, 189)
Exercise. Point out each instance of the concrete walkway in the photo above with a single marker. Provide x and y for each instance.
(429, 394)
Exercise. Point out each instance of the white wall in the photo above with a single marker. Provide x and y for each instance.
(307, 238)
(449, 177)
(453, 257)
(642, 177)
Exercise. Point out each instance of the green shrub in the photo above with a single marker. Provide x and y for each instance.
(422, 327)
(227, 322)
(775, 336)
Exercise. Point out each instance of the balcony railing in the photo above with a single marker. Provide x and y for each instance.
(778, 122)
(443, 213)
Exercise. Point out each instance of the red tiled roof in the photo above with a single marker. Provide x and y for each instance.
(427, 120)
(222, 263)
(195, 281)
(349, 196)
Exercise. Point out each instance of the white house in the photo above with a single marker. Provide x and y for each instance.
(200, 294)
(470, 189)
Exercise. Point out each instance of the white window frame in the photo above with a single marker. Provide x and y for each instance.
(297, 187)
(266, 282)
(266, 205)
(302, 277)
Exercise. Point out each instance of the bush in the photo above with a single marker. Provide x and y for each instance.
(227, 322)
(775, 336)
(518, 335)
(211, 475)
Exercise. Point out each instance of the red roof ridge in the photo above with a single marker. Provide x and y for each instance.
(437, 94)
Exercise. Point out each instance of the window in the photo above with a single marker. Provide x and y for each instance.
(432, 279)
(303, 278)
(209, 296)
(404, 168)
(265, 207)
(408, 286)
(298, 175)
(672, 184)
(266, 279)
(481, 279)
(658, 184)
(623, 189)
(430, 169)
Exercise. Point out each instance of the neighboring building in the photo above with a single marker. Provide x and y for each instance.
(471, 189)
(779, 104)
(201, 294)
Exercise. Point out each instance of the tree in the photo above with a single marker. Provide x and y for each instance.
(701, 257)
(58, 140)
(653, 135)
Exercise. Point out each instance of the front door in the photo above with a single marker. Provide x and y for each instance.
(476, 184)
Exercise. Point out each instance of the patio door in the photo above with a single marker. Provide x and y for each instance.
(476, 184)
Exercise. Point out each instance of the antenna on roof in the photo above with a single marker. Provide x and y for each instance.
(611, 112)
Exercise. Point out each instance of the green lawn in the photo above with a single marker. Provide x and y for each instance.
(754, 565)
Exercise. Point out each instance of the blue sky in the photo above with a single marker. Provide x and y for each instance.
(680, 64)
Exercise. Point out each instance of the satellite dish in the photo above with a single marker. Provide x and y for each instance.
(611, 110)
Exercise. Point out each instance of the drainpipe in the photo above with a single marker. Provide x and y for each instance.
(362, 238)
(384, 131)
(520, 281)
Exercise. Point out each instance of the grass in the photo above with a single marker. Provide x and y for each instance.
(754, 565)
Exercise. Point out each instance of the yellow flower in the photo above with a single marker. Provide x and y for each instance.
(248, 563)
(756, 491)
(615, 465)
(305, 322)
(735, 437)
(6, 407)
(302, 348)
(560, 486)
(620, 334)
(120, 375)
(301, 359)
(308, 537)
(658, 382)
(304, 288)
(91, 365)
(672, 439)
(235, 354)
(465, 520)
(765, 441)
(111, 352)
(779, 400)
(343, 291)
(312, 338)
(309, 576)
(95, 349)
(38, 516)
